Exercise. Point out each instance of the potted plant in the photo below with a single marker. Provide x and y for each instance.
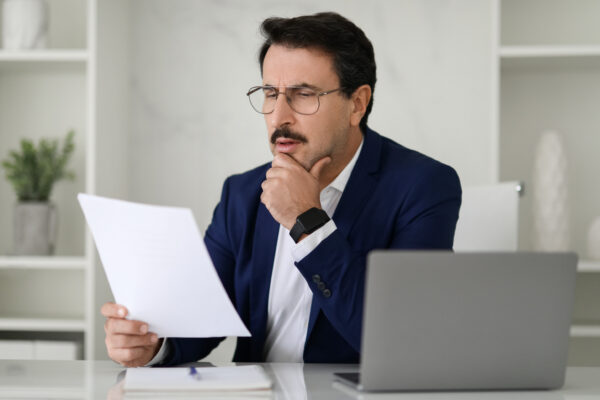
(32, 171)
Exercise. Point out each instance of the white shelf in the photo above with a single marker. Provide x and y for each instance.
(42, 392)
(548, 51)
(43, 324)
(588, 266)
(44, 56)
(585, 331)
(541, 58)
(16, 262)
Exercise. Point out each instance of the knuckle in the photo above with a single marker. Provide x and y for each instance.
(114, 356)
(116, 325)
(127, 354)
(147, 340)
(118, 341)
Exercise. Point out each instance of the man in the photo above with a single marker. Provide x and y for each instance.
(295, 276)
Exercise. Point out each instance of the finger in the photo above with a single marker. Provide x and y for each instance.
(278, 172)
(283, 160)
(272, 172)
(270, 184)
(130, 354)
(125, 326)
(317, 168)
(125, 341)
(112, 310)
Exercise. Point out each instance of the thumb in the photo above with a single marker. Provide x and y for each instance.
(319, 165)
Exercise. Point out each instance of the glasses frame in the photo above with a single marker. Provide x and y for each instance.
(254, 89)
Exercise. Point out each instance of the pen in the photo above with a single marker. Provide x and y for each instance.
(194, 374)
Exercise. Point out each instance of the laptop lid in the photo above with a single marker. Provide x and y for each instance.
(466, 321)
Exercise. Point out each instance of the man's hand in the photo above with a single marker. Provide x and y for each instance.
(290, 190)
(128, 342)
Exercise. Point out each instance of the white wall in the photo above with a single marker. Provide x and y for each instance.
(192, 62)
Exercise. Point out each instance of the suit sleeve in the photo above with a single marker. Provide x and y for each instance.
(428, 221)
(182, 350)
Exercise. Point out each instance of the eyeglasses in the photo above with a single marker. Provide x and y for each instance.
(302, 99)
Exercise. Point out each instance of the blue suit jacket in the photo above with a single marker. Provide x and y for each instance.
(395, 198)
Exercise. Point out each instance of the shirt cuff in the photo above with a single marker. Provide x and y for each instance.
(161, 355)
(309, 243)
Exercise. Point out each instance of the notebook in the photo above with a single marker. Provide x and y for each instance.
(247, 378)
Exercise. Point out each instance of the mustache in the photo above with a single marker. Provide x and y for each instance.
(286, 133)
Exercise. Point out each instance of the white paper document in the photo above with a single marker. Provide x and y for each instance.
(214, 379)
(158, 267)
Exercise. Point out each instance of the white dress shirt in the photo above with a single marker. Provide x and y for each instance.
(290, 297)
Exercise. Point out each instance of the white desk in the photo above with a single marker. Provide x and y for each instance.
(97, 380)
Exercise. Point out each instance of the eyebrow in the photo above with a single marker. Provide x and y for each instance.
(303, 84)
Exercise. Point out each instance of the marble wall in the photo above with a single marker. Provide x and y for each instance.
(192, 62)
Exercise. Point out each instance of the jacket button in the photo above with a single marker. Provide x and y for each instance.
(321, 285)
(327, 293)
(316, 278)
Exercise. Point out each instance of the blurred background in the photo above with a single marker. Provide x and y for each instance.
(502, 90)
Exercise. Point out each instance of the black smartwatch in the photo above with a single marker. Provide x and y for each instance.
(308, 222)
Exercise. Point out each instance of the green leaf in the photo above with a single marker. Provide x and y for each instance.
(33, 171)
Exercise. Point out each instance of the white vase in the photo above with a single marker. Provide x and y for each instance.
(550, 195)
(35, 226)
(24, 24)
(593, 242)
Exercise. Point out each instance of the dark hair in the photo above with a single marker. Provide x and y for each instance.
(353, 56)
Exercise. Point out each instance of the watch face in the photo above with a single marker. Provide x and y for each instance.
(313, 219)
(308, 222)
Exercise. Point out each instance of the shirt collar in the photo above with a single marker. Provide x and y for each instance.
(339, 183)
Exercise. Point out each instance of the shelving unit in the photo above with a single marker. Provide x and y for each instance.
(57, 86)
(44, 56)
(548, 72)
(43, 262)
(42, 324)
(548, 51)
(588, 266)
(585, 331)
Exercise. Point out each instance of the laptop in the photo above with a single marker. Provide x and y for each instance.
(465, 321)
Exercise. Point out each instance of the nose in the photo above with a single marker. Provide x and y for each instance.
(282, 114)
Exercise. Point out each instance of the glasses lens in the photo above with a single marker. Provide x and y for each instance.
(263, 99)
(303, 100)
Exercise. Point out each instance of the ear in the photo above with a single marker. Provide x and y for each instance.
(360, 101)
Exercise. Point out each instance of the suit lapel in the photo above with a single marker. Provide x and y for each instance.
(265, 241)
(357, 191)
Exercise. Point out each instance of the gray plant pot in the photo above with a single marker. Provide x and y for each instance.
(35, 226)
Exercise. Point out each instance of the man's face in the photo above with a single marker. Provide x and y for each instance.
(315, 136)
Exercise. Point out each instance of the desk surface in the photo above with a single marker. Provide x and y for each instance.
(99, 380)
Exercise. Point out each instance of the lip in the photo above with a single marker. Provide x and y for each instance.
(284, 145)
